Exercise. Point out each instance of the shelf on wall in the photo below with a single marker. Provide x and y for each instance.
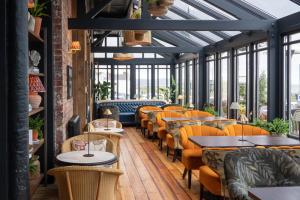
(34, 37)
(36, 147)
(34, 184)
(36, 74)
(35, 111)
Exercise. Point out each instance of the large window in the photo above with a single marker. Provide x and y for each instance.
(102, 73)
(242, 63)
(292, 69)
(183, 81)
(122, 81)
(224, 63)
(210, 63)
(162, 82)
(261, 63)
(143, 81)
(191, 82)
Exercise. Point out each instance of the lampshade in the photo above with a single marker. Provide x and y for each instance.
(123, 56)
(180, 97)
(30, 3)
(107, 112)
(296, 116)
(235, 106)
(35, 84)
(130, 40)
(75, 46)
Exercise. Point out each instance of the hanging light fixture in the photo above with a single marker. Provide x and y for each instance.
(74, 47)
(123, 56)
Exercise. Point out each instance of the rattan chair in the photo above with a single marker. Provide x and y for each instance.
(86, 183)
(93, 124)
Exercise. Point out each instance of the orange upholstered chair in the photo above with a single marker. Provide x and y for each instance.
(197, 113)
(248, 130)
(162, 131)
(144, 117)
(173, 108)
(192, 154)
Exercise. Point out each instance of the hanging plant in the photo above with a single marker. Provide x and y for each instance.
(159, 7)
(139, 34)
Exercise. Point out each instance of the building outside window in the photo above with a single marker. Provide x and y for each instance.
(122, 81)
(292, 77)
(143, 81)
(183, 81)
(261, 64)
(242, 63)
(210, 64)
(224, 63)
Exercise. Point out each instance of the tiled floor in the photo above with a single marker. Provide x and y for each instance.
(148, 173)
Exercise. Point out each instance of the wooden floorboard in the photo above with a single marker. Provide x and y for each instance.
(148, 173)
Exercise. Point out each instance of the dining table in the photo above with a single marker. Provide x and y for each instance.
(77, 158)
(108, 130)
(275, 193)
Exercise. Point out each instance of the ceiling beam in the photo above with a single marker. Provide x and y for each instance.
(296, 2)
(172, 38)
(97, 9)
(136, 61)
(186, 15)
(235, 10)
(170, 25)
(100, 38)
(153, 49)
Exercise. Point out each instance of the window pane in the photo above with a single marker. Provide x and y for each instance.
(211, 86)
(242, 80)
(190, 82)
(122, 83)
(143, 82)
(262, 87)
(224, 87)
(183, 85)
(162, 73)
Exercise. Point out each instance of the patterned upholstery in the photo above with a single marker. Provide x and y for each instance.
(254, 167)
(127, 108)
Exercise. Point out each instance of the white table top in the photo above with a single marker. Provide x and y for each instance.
(77, 158)
(111, 130)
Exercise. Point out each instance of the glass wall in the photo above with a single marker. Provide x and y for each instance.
(191, 82)
(162, 82)
(102, 73)
(143, 81)
(122, 81)
(261, 63)
(292, 73)
(224, 63)
(183, 81)
(242, 62)
(210, 63)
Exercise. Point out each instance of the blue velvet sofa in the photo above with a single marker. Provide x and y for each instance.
(127, 108)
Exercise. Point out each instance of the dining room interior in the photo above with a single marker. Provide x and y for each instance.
(150, 99)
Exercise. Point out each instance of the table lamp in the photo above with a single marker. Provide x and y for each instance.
(35, 86)
(107, 112)
(180, 98)
(88, 154)
(236, 106)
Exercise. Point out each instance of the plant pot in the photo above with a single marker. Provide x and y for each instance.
(37, 26)
(35, 135)
(31, 23)
(167, 3)
(139, 36)
(157, 10)
(35, 100)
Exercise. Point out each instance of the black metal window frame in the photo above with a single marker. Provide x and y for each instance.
(157, 68)
(138, 69)
(211, 58)
(117, 79)
(220, 58)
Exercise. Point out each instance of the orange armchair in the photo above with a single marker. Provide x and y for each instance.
(162, 131)
(197, 113)
(192, 154)
(248, 130)
(144, 117)
(173, 108)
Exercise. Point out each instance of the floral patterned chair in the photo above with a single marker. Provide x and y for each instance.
(144, 118)
(253, 167)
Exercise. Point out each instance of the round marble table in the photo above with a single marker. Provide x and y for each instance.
(109, 130)
(77, 158)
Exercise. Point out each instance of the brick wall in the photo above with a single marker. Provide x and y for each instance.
(63, 107)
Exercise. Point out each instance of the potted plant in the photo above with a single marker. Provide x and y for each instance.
(159, 7)
(36, 124)
(38, 11)
(102, 90)
(210, 109)
(279, 127)
(138, 34)
(173, 90)
(34, 167)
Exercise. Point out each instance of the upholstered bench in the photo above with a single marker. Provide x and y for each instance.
(127, 108)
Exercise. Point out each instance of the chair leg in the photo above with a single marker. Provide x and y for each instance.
(161, 144)
(175, 154)
(201, 191)
(189, 178)
(184, 173)
(168, 150)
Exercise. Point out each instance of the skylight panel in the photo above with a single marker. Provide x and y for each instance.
(193, 38)
(278, 9)
(192, 11)
(163, 42)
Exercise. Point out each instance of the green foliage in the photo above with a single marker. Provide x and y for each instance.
(277, 126)
(210, 109)
(262, 84)
(32, 166)
(36, 123)
(152, 1)
(137, 14)
(102, 90)
(173, 89)
(39, 9)
(165, 92)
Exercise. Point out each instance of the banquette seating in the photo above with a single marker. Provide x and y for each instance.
(127, 108)
(238, 129)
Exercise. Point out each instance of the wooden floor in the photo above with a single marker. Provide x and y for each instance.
(148, 173)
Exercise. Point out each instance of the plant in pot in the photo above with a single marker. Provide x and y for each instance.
(165, 92)
(36, 124)
(159, 7)
(173, 89)
(279, 127)
(138, 34)
(102, 90)
(210, 109)
(38, 11)
(34, 167)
